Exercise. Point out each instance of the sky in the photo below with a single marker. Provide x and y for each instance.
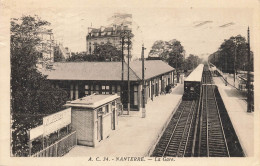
(200, 28)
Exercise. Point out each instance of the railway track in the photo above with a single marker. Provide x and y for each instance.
(212, 140)
(176, 138)
(196, 128)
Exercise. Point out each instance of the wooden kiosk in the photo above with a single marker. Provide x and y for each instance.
(94, 117)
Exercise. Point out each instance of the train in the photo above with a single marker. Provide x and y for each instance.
(192, 83)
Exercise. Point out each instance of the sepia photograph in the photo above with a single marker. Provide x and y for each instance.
(129, 82)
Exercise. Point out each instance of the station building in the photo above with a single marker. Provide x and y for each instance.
(80, 79)
(94, 117)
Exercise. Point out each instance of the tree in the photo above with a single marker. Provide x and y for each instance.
(103, 52)
(107, 52)
(80, 56)
(170, 51)
(176, 54)
(232, 51)
(32, 96)
(191, 62)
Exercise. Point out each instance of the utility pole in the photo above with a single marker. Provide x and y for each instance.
(122, 83)
(235, 57)
(249, 100)
(128, 80)
(143, 85)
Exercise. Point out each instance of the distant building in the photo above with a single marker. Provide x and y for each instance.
(46, 46)
(105, 35)
(50, 50)
(85, 78)
(110, 34)
(61, 53)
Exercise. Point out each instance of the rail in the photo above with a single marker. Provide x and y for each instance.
(196, 125)
(212, 140)
(172, 133)
(152, 147)
(176, 136)
(221, 123)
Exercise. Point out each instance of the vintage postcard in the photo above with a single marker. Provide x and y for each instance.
(132, 82)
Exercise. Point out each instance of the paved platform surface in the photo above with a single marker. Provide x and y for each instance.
(242, 121)
(135, 135)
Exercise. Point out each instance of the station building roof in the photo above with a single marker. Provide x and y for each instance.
(196, 74)
(110, 71)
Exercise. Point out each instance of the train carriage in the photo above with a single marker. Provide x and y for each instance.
(192, 83)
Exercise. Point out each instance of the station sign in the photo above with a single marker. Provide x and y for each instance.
(56, 121)
(36, 132)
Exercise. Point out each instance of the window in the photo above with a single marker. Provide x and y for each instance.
(105, 89)
(113, 103)
(98, 112)
(86, 90)
(107, 108)
(118, 90)
(91, 89)
(71, 92)
(135, 95)
(97, 89)
(113, 89)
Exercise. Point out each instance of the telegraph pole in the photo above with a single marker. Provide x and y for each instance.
(143, 85)
(249, 100)
(122, 83)
(128, 80)
(235, 62)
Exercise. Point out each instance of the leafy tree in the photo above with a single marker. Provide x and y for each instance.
(157, 49)
(32, 96)
(103, 52)
(232, 51)
(81, 56)
(191, 62)
(107, 52)
(170, 51)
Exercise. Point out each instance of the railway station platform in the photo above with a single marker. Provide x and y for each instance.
(242, 121)
(134, 135)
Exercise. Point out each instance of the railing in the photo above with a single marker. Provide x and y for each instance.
(59, 148)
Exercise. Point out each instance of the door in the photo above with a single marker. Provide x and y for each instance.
(152, 92)
(113, 119)
(134, 97)
(100, 129)
(156, 89)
